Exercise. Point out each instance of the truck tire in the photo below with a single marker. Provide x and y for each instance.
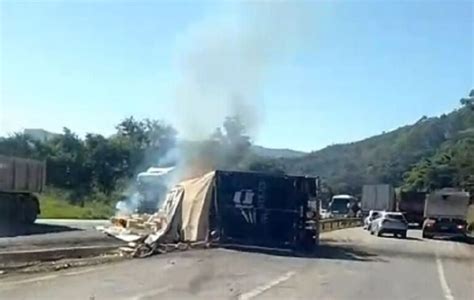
(30, 209)
(379, 232)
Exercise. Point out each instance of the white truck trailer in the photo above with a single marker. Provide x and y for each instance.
(380, 197)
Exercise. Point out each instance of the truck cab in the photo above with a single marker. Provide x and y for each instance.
(150, 190)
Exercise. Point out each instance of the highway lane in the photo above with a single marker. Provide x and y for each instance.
(54, 233)
(351, 264)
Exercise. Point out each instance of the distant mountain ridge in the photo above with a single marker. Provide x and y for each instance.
(276, 152)
(386, 157)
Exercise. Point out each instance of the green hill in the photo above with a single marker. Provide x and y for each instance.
(391, 157)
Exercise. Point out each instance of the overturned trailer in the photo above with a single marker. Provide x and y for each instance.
(242, 209)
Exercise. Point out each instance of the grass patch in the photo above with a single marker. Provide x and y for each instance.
(54, 205)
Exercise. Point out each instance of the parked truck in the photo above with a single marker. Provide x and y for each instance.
(412, 205)
(377, 197)
(20, 181)
(445, 213)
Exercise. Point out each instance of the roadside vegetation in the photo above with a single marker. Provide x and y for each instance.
(54, 204)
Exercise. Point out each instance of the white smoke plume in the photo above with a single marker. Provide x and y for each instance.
(223, 64)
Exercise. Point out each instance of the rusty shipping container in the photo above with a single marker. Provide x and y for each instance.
(21, 175)
(20, 180)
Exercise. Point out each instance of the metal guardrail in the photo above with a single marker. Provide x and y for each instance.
(334, 224)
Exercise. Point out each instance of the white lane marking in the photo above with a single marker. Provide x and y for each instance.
(442, 278)
(151, 293)
(261, 289)
(84, 271)
(29, 280)
(47, 277)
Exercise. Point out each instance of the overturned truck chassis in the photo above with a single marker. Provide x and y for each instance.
(238, 209)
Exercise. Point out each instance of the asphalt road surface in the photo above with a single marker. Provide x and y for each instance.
(351, 264)
(54, 233)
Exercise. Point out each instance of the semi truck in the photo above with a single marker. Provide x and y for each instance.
(20, 181)
(242, 209)
(378, 197)
(445, 213)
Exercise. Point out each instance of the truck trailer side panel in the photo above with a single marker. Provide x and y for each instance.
(265, 210)
(378, 197)
(21, 175)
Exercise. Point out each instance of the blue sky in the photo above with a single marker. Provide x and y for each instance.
(339, 72)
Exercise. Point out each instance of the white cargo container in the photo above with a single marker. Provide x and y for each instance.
(447, 203)
(377, 197)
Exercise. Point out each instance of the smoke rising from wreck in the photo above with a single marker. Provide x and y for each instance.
(222, 64)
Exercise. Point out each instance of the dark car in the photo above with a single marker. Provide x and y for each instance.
(444, 227)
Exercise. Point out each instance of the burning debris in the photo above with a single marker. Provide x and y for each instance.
(182, 219)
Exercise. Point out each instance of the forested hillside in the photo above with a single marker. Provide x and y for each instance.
(433, 152)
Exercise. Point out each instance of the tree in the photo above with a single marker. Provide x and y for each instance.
(469, 101)
(22, 145)
(146, 142)
(233, 141)
(66, 165)
(107, 160)
(160, 139)
(452, 166)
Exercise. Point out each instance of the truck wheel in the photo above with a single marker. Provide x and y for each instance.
(379, 232)
(30, 209)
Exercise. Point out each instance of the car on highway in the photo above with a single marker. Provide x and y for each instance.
(444, 227)
(373, 214)
(390, 222)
